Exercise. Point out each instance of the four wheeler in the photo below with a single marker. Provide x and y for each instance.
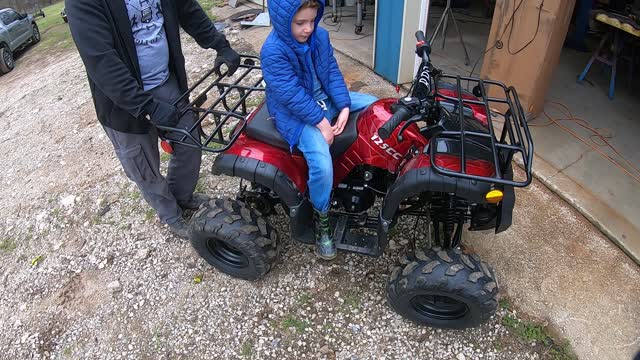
(441, 153)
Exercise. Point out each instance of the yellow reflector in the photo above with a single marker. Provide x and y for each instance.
(494, 196)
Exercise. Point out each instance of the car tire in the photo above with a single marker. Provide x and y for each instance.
(6, 60)
(234, 238)
(35, 37)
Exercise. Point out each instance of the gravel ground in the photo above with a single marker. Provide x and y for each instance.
(88, 272)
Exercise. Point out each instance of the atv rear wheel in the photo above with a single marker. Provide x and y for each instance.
(444, 288)
(234, 239)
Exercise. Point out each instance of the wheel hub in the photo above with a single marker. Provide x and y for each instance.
(8, 59)
(439, 307)
(227, 254)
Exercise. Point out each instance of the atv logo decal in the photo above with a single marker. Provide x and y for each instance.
(384, 146)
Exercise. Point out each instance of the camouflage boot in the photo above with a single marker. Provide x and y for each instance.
(324, 238)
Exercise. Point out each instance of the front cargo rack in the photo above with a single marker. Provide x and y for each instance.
(514, 143)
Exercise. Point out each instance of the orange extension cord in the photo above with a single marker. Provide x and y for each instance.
(595, 134)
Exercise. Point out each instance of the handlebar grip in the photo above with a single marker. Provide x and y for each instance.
(420, 36)
(401, 114)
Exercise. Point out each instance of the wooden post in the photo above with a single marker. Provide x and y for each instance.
(529, 68)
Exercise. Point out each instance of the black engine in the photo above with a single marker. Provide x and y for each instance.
(358, 191)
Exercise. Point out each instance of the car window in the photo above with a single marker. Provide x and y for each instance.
(4, 16)
(10, 16)
(13, 16)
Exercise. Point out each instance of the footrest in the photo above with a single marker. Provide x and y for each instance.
(349, 236)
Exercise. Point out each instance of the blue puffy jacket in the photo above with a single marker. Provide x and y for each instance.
(287, 70)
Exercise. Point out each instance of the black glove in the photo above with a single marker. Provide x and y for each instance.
(229, 57)
(163, 114)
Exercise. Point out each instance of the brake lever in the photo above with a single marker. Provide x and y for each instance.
(412, 120)
(434, 130)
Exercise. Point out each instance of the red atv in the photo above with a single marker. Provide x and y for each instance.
(440, 153)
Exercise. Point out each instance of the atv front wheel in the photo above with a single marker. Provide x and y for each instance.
(234, 239)
(444, 288)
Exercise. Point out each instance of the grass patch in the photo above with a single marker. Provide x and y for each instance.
(56, 214)
(328, 327)
(52, 16)
(504, 304)
(562, 352)
(526, 330)
(53, 30)
(530, 332)
(135, 195)
(291, 322)
(164, 156)
(247, 349)
(67, 351)
(199, 186)
(304, 299)
(7, 245)
(351, 300)
(149, 215)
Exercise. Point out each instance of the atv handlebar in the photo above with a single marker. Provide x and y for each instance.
(401, 114)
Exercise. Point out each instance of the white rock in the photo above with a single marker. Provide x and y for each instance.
(68, 201)
(41, 216)
(142, 254)
(114, 286)
(460, 356)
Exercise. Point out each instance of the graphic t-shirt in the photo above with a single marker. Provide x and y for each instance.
(147, 27)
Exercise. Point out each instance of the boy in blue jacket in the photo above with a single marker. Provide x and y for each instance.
(305, 91)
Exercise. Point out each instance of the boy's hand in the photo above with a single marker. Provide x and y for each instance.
(341, 122)
(327, 131)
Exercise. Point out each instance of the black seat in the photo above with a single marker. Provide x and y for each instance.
(263, 128)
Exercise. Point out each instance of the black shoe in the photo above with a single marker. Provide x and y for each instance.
(194, 201)
(180, 228)
(324, 238)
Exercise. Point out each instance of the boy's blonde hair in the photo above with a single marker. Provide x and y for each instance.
(306, 4)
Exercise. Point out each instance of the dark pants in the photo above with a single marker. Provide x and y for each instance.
(139, 156)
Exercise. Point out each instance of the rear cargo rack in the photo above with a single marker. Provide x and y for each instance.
(514, 139)
(221, 121)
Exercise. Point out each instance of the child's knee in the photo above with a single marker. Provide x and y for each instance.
(321, 167)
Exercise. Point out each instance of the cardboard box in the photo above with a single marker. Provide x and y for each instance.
(530, 69)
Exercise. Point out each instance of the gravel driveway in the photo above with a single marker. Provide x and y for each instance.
(88, 272)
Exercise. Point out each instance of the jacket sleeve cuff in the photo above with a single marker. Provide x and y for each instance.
(317, 119)
(148, 108)
(345, 104)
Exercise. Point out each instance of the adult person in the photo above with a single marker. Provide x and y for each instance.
(136, 69)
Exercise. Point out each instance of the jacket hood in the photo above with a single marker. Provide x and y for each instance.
(282, 12)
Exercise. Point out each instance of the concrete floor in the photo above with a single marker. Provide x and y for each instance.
(597, 187)
(553, 264)
(357, 46)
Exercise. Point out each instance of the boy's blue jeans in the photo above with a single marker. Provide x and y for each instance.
(316, 152)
